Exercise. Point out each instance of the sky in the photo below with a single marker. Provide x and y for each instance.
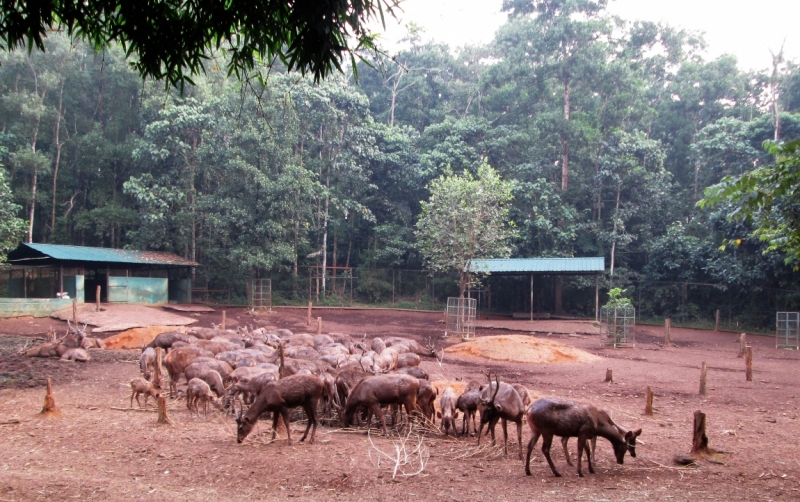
(746, 28)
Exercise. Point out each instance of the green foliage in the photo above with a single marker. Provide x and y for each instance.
(768, 198)
(170, 40)
(616, 300)
(465, 218)
(12, 229)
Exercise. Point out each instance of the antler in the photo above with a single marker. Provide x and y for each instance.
(497, 389)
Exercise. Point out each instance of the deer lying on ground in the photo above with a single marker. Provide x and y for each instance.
(501, 402)
(468, 403)
(381, 390)
(141, 386)
(559, 417)
(448, 413)
(196, 392)
(76, 354)
(278, 397)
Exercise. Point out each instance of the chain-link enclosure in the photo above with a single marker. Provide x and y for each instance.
(616, 327)
(787, 330)
(460, 316)
(261, 294)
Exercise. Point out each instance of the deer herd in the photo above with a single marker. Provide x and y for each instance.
(351, 381)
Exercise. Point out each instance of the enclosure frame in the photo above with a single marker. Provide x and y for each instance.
(617, 327)
(787, 330)
(460, 317)
(261, 294)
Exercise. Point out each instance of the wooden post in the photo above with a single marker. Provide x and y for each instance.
(157, 380)
(609, 376)
(667, 325)
(749, 362)
(49, 408)
(163, 418)
(97, 299)
(716, 321)
(224, 314)
(281, 368)
(75, 311)
(648, 407)
(308, 322)
(699, 440)
(742, 344)
(703, 371)
(319, 325)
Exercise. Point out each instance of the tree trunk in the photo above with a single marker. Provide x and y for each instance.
(699, 439)
(49, 408)
(614, 234)
(333, 260)
(58, 155)
(558, 295)
(565, 140)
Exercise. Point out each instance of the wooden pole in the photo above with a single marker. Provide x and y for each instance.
(163, 417)
(224, 315)
(699, 439)
(319, 325)
(49, 408)
(308, 322)
(97, 299)
(667, 338)
(75, 311)
(749, 362)
(281, 368)
(609, 376)
(157, 380)
(648, 407)
(703, 371)
(716, 321)
(742, 344)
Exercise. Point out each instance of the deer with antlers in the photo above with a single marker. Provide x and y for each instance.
(500, 402)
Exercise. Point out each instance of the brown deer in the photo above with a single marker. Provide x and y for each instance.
(381, 390)
(559, 417)
(277, 397)
(448, 413)
(501, 403)
(468, 403)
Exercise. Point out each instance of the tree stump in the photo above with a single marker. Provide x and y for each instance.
(648, 407)
(749, 362)
(319, 325)
(308, 322)
(281, 368)
(75, 311)
(742, 344)
(97, 299)
(700, 439)
(609, 376)
(703, 371)
(667, 325)
(50, 409)
(223, 320)
(716, 321)
(163, 418)
(157, 378)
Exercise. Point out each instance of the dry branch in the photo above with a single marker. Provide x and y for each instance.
(409, 458)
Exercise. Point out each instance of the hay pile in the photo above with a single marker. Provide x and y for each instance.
(521, 349)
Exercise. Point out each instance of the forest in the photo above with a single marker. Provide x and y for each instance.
(609, 132)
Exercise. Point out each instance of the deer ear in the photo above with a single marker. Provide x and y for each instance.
(438, 414)
(637, 433)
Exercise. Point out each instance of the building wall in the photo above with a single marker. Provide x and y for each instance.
(148, 290)
(36, 307)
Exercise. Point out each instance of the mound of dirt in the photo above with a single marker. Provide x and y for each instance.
(117, 317)
(136, 337)
(521, 349)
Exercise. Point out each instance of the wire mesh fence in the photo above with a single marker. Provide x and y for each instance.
(787, 330)
(617, 327)
(460, 317)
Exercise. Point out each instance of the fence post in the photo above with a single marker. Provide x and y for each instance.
(703, 371)
(749, 363)
(667, 340)
(716, 321)
(308, 322)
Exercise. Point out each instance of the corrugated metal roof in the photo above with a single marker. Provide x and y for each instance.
(108, 255)
(588, 265)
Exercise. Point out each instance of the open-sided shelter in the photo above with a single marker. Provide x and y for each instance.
(43, 278)
(594, 265)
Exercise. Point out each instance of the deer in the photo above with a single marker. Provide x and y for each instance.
(501, 402)
(141, 386)
(381, 390)
(468, 403)
(559, 417)
(199, 391)
(277, 397)
(449, 414)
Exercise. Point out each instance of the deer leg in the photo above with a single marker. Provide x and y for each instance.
(564, 441)
(492, 425)
(531, 444)
(376, 409)
(519, 438)
(504, 424)
(546, 442)
(581, 446)
(313, 417)
(311, 414)
(275, 418)
(589, 456)
(480, 430)
(594, 445)
(137, 401)
(285, 414)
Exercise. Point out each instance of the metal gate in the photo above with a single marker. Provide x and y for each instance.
(787, 330)
(617, 327)
(261, 294)
(460, 317)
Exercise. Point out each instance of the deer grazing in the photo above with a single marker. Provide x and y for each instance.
(467, 404)
(448, 413)
(277, 397)
(559, 417)
(381, 390)
(501, 402)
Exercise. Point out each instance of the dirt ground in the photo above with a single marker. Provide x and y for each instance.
(99, 451)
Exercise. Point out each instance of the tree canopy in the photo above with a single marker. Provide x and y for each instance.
(172, 40)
